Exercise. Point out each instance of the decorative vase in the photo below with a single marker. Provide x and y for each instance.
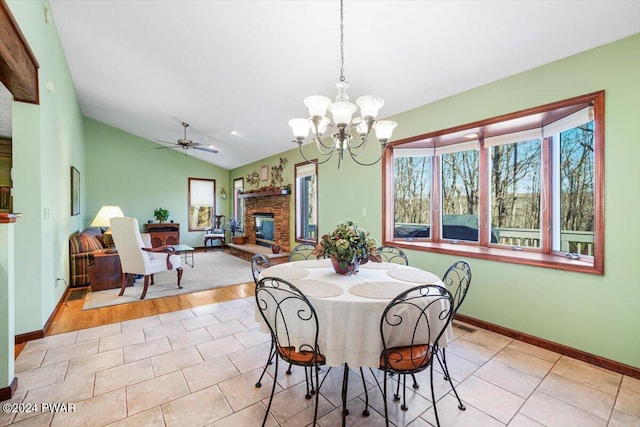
(275, 249)
(343, 268)
(238, 240)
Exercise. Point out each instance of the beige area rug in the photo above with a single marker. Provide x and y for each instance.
(213, 269)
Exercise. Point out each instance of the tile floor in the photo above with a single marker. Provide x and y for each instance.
(198, 368)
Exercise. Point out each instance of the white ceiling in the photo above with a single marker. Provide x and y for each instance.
(145, 66)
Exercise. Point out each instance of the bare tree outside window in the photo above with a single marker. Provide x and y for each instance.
(515, 193)
(577, 189)
(412, 196)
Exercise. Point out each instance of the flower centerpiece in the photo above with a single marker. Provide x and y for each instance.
(348, 246)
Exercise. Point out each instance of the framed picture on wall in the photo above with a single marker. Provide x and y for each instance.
(75, 191)
(264, 173)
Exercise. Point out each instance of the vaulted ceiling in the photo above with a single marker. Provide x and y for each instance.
(146, 66)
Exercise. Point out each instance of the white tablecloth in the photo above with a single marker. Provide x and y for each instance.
(350, 324)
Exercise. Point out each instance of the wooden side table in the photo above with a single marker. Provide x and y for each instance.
(106, 272)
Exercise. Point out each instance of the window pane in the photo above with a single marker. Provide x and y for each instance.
(515, 194)
(201, 203)
(412, 196)
(577, 190)
(238, 208)
(199, 217)
(306, 202)
(460, 196)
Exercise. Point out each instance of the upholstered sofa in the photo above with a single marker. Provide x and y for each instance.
(82, 246)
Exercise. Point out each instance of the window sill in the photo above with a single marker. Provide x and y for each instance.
(536, 259)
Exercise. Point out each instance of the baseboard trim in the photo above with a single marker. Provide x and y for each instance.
(602, 362)
(7, 393)
(34, 335)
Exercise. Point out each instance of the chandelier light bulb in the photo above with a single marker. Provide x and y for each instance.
(342, 112)
(369, 105)
(300, 128)
(384, 129)
(317, 105)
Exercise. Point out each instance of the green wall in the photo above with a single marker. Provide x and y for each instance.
(125, 170)
(595, 314)
(47, 141)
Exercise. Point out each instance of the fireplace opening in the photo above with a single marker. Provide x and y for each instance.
(265, 229)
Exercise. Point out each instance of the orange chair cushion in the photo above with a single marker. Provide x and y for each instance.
(406, 358)
(304, 357)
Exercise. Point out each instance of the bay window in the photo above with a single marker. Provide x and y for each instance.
(526, 187)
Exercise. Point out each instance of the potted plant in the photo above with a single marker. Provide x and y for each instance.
(234, 227)
(348, 246)
(161, 214)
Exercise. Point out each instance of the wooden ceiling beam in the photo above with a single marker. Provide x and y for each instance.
(18, 64)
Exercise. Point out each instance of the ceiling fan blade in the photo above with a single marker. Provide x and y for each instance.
(160, 148)
(208, 150)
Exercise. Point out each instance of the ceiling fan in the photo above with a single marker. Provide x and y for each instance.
(187, 144)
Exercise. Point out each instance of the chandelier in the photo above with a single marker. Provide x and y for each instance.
(347, 133)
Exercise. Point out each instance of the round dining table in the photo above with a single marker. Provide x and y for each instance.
(349, 307)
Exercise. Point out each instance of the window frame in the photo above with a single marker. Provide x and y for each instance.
(298, 237)
(237, 201)
(544, 256)
(213, 205)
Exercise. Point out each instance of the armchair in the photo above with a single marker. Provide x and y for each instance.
(216, 232)
(138, 258)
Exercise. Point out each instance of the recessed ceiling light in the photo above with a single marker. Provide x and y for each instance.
(471, 135)
(233, 132)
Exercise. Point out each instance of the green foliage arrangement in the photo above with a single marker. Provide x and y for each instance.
(348, 243)
(161, 214)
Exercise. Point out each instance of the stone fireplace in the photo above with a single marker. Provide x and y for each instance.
(267, 204)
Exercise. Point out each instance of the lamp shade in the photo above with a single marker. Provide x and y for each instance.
(342, 112)
(369, 105)
(300, 127)
(384, 129)
(317, 105)
(105, 214)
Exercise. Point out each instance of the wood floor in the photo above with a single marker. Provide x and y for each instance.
(71, 317)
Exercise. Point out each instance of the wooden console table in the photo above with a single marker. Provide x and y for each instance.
(163, 233)
(106, 272)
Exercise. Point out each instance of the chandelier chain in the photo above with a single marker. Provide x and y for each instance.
(341, 41)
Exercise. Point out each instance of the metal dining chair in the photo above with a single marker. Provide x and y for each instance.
(283, 308)
(393, 254)
(411, 327)
(302, 251)
(259, 262)
(457, 279)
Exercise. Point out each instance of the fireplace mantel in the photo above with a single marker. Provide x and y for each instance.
(265, 194)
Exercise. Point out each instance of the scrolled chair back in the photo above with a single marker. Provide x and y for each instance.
(411, 326)
(292, 321)
(302, 252)
(259, 262)
(457, 279)
(392, 254)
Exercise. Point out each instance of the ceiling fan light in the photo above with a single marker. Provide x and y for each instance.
(317, 105)
(369, 105)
